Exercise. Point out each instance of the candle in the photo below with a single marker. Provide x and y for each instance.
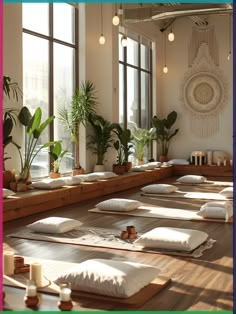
(218, 162)
(225, 162)
(8, 262)
(31, 289)
(65, 294)
(231, 162)
(209, 158)
(200, 159)
(36, 273)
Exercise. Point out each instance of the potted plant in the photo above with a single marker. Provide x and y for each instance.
(33, 130)
(83, 104)
(101, 139)
(141, 139)
(11, 90)
(57, 155)
(119, 167)
(125, 138)
(164, 133)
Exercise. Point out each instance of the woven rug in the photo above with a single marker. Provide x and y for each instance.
(192, 195)
(51, 269)
(104, 238)
(150, 211)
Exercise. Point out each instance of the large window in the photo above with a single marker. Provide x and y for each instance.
(135, 82)
(50, 71)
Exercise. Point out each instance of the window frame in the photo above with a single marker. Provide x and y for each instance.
(51, 40)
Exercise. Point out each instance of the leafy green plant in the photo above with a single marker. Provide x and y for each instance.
(125, 138)
(57, 155)
(164, 132)
(33, 130)
(82, 105)
(101, 139)
(120, 153)
(11, 90)
(141, 139)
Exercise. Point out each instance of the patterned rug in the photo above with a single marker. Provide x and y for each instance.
(104, 238)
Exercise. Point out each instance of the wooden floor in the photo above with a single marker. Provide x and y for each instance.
(205, 283)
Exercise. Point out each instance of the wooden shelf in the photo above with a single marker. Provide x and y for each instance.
(205, 170)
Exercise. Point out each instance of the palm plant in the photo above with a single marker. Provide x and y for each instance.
(101, 139)
(57, 154)
(82, 105)
(11, 89)
(125, 138)
(33, 129)
(141, 139)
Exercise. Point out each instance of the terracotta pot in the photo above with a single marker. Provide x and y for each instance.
(119, 169)
(21, 186)
(75, 172)
(163, 158)
(7, 178)
(140, 162)
(131, 229)
(54, 175)
(128, 166)
(124, 235)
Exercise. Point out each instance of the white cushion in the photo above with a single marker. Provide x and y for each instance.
(72, 180)
(108, 277)
(142, 167)
(178, 162)
(48, 184)
(172, 239)
(154, 164)
(219, 210)
(159, 188)
(89, 177)
(227, 192)
(194, 179)
(6, 193)
(54, 225)
(105, 174)
(119, 204)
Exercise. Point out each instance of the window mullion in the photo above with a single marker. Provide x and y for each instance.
(125, 88)
(51, 76)
(139, 84)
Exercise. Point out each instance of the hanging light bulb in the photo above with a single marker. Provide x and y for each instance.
(230, 35)
(116, 20)
(229, 56)
(165, 69)
(102, 40)
(124, 41)
(171, 36)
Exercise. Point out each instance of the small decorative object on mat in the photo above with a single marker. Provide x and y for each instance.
(65, 303)
(31, 298)
(36, 273)
(198, 158)
(132, 234)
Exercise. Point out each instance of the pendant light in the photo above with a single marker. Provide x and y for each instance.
(102, 39)
(171, 35)
(116, 19)
(165, 69)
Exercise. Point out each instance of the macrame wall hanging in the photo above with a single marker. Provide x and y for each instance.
(203, 90)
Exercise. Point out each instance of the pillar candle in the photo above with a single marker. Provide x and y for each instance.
(225, 161)
(231, 162)
(195, 159)
(65, 294)
(36, 273)
(31, 289)
(218, 162)
(8, 263)
(209, 158)
(200, 159)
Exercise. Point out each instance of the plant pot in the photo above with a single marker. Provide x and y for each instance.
(54, 175)
(140, 162)
(7, 178)
(119, 169)
(99, 168)
(75, 172)
(128, 166)
(163, 158)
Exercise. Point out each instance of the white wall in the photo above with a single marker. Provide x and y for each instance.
(12, 66)
(100, 64)
(169, 88)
